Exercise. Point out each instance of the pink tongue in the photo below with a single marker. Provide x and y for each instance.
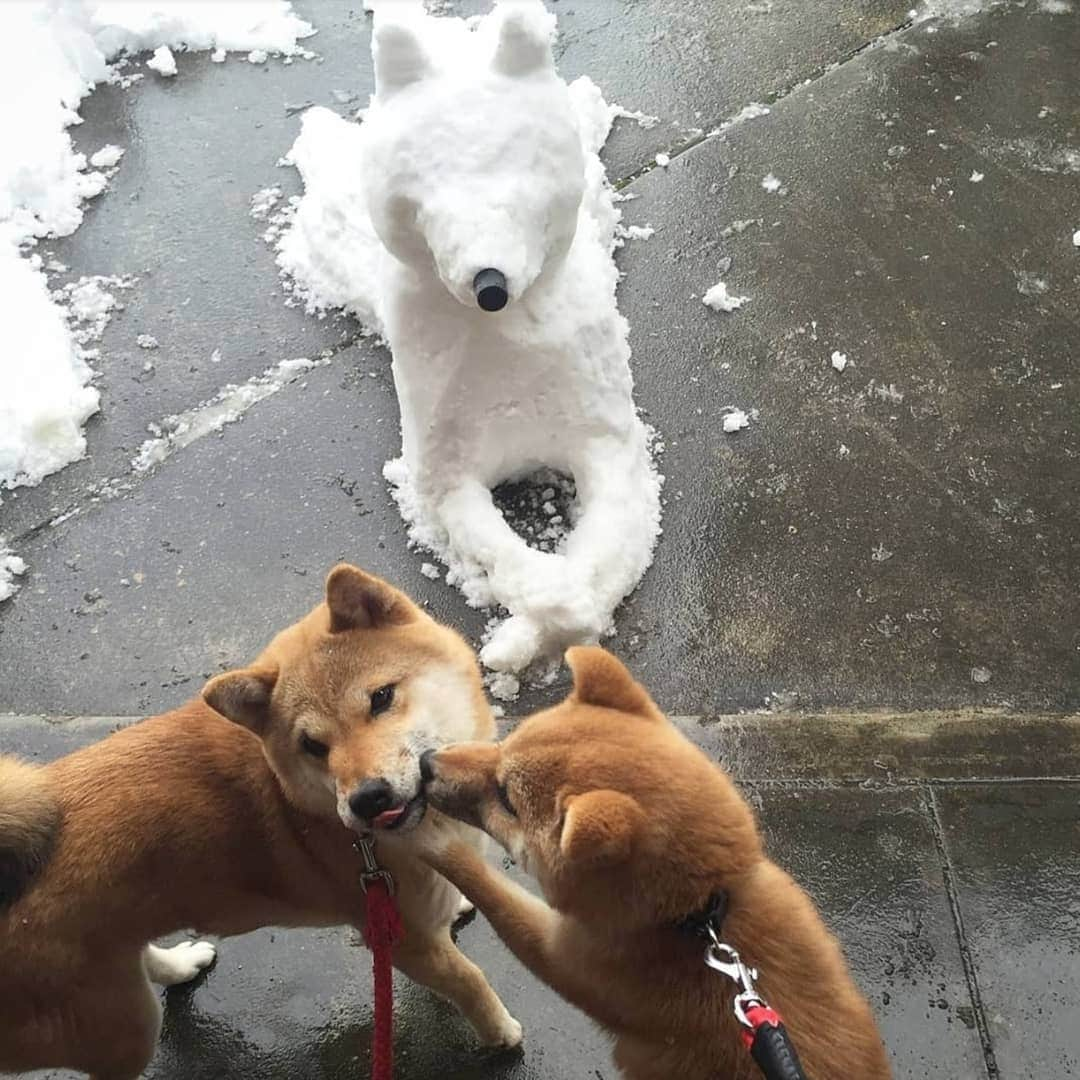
(388, 817)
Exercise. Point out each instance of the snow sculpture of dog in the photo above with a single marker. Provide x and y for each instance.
(492, 281)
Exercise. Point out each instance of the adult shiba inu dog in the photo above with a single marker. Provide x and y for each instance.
(190, 820)
(633, 834)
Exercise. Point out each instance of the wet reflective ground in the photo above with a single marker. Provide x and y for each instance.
(902, 535)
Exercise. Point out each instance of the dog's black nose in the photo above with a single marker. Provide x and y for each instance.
(491, 290)
(427, 766)
(371, 798)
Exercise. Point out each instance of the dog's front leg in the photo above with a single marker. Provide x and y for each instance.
(527, 926)
(437, 963)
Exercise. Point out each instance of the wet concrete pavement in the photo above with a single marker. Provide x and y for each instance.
(901, 535)
(940, 848)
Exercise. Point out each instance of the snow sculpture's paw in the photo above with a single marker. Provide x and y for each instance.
(513, 646)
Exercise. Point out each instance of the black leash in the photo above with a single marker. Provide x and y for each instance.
(763, 1032)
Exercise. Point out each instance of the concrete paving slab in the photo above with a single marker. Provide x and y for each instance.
(903, 533)
(1013, 849)
(869, 859)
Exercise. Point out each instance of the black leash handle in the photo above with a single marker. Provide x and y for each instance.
(774, 1053)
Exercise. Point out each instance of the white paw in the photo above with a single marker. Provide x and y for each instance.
(180, 963)
(507, 1034)
(465, 907)
(511, 1034)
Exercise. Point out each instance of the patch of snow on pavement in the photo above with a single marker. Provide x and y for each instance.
(644, 120)
(747, 112)
(634, 232)
(163, 62)
(226, 407)
(839, 360)
(1076, 238)
(736, 420)
(107, 157)
(663, 160)
(719, 299)
(771, 183)
(503, 686)
(57, 53)
(11, 567)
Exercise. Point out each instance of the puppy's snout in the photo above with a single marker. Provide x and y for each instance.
(372, 798)
(491, 289)
(427, 766)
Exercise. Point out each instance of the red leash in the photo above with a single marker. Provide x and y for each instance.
(382, 931)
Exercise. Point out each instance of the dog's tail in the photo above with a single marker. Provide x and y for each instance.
(29, 823)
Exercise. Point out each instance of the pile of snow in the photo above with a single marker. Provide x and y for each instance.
(163, 62)
(719, 299)
(11, 567)
(57, 52)
(474, 154)
(735, 420)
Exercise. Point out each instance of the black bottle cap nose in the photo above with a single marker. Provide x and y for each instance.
(490, 289)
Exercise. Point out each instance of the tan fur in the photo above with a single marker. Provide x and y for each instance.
(189, 820)
(629, 828)
(29, 818)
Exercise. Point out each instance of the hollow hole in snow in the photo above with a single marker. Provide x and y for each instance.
(541, 507)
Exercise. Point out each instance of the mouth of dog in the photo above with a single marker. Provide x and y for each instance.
(406, 816)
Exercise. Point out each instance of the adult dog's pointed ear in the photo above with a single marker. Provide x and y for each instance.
(601, 827)
(359, 601)
(242, 696)
(400, 56)
(601, 679)
(526, 33)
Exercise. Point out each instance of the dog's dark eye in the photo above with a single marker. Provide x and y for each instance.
(313, 746)
(504, 799)
(381, 700)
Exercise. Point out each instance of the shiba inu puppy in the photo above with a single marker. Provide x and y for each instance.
(236, 811)
(633, 835)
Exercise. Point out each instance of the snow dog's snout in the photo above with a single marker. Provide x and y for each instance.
(491, 290)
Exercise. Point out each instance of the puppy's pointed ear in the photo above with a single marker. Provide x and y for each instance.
(601, 679)
(242, 696)
(601, 827)
(526, 33)
(399, 53)
(359, 601)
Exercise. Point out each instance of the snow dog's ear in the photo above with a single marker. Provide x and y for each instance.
(398, 48)
(526, 31)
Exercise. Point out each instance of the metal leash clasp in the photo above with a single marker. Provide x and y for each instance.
(371, 870)
(723, 958)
